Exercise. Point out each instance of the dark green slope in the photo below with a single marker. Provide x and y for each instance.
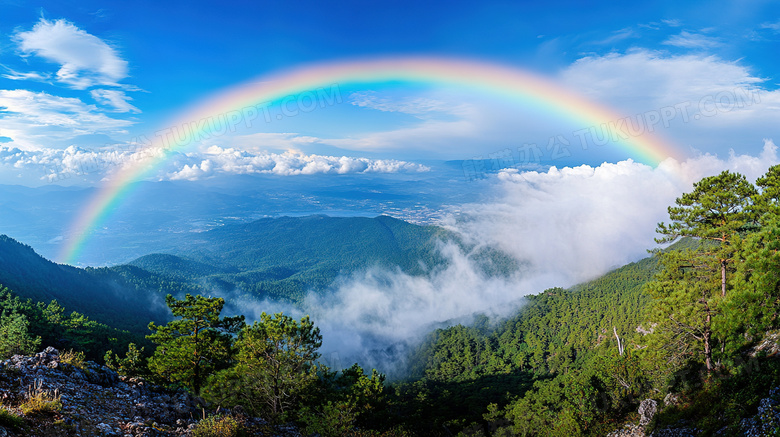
(549, 333)
(467, 368)
(277, 258)
(101, 294)
(176, 267)
(306, 242)
(284, 258)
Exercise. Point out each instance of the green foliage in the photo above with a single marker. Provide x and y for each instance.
(687, 297)
(754, 302)
(133, 364)
(286, 257)
(274, 367)
(429, 408)
(218, 426)
(330, 420)
(718, 404)
(10, 420)
(75, 359)
(570, 362)
(766, 203)
(561, 332)
(196, 345)
(15, 336)
(101, 294)
(717, 208)
(347, 402)
(54, 327)
(582, 402)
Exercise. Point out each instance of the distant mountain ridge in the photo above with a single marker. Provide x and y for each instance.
(273, 258)
(279, 258)
(285, 257)
(101, 294)
(316, 238)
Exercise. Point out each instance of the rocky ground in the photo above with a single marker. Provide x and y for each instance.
(765, 423)
(95, 401)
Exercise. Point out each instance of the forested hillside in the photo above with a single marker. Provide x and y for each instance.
(111, 296)
(464, 369)
(278, 258)
(284, 258)
(689, 333)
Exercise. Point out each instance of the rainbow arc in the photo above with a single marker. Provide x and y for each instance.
(485, 77)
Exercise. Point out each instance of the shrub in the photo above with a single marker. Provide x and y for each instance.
(218, 426)
(75, 359)
(40, 400)
(133, 364)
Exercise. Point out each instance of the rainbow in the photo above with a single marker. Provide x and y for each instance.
(479, 76)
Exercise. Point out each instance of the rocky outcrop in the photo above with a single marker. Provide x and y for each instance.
(770, 345)
(96, 401)
(629, 430)
(647, 410)
(767, 421)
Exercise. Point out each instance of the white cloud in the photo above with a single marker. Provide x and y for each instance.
(33, 119)
(564, 226)
(216, 160)
(672, 22)
(718, 104)
(57, 165)
(715, 104)
(262, 141)
(619, 35)
(430, 135)
(114, 98)
(80, 165)
(375, 316)
(690, 40)
(85, 60)
(573, 224)
(771, 26)
(444, 123)
(32, 75)
(655, 77)
(421, 107)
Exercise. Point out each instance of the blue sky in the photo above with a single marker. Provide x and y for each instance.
(80, 78)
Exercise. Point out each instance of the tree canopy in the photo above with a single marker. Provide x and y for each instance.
(195, 345)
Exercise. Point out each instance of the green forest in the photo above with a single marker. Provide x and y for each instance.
(688, 326)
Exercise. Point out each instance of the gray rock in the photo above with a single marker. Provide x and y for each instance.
(671, 399)
(628, 431)
(647, 410)
(675, 432)
(767, 420)
(105, 428)
(100, 402)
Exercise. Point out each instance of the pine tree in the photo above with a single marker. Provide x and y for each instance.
(686, 298)
(275, 365)
(767, 203)
(715, 211)
(196, 345)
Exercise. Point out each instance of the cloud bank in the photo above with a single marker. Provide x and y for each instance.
(217, 160)
(73, 163)
(564, 225)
